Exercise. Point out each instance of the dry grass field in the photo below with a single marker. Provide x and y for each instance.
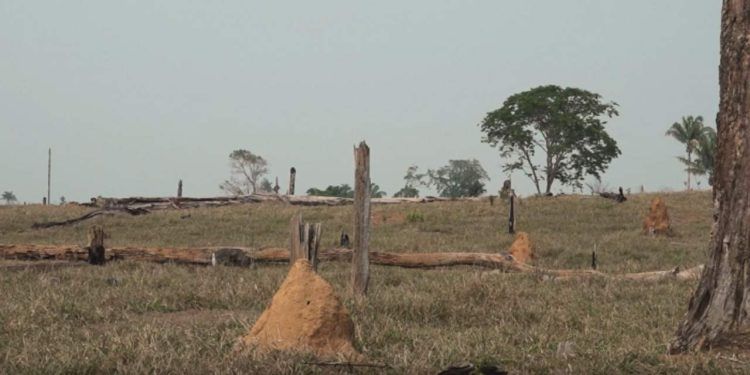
(138, 318)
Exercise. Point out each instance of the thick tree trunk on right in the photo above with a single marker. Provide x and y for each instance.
(720, 303)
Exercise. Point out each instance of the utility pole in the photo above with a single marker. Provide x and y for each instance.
(49, 175)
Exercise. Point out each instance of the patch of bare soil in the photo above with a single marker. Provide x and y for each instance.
(387, 217)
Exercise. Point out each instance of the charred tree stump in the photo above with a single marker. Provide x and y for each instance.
(344, 240)
(360, 257)
(292, 175)
(96, 246)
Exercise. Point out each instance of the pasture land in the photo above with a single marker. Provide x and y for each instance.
(134, 317)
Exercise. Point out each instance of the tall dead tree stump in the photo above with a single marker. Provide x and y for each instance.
(360, 257)
(292, 176)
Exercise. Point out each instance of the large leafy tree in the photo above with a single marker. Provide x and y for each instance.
(689, 132)
(247, 169)
(460, 178)
(9, 197)
(566, 125)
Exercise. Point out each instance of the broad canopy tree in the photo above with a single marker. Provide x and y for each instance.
(565, 124)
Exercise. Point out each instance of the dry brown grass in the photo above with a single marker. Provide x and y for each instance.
(136, 318)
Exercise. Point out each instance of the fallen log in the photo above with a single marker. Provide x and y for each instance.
(307, 200)
(207, 256)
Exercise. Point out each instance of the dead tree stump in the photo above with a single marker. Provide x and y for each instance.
(305, 241)
(360, 257)
(96, 246)
(292, 175)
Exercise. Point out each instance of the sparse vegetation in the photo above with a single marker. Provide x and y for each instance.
(415, 217)
(412, 180)
(133, 317)
(247, 169)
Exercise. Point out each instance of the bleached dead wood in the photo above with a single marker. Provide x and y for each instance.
(203, 256)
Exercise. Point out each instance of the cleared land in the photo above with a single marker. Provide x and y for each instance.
(132, 317)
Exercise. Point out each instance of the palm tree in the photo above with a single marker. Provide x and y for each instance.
(375, 191)
(9, 197)
(704, 152)
(688, 132)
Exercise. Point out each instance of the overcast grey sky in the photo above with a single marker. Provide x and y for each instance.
(134, 95)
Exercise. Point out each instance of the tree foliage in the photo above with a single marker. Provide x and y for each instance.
(412, 180)
(460, 178)
(345, 191)
(9, 197)
(341, 191)
(246, 170)
(691, 132)
(705, 150)
(566, 125)
(266, 186)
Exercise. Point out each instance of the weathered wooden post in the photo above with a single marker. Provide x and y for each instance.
(593, 259)
(179, 189)
(49, 177)
(96, 245)
(305, 241)
(44, 201)
(360, 256)
(276, 187)
(292, 175)
(512, 216)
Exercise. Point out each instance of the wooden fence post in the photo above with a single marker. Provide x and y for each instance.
(304, 241)
(292, 175)
(96, 245)
(360, 256)
(179, 189)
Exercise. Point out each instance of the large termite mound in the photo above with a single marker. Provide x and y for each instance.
(522, 250)
(657, 220)
(304, 315)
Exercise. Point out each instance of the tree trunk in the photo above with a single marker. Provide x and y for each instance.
(719, 305)
(360, 257)
(690, 162)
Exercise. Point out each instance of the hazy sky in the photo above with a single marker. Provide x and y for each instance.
(134, 95)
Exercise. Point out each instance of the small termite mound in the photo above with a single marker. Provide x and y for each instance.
(522, 249)
(657, 221)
